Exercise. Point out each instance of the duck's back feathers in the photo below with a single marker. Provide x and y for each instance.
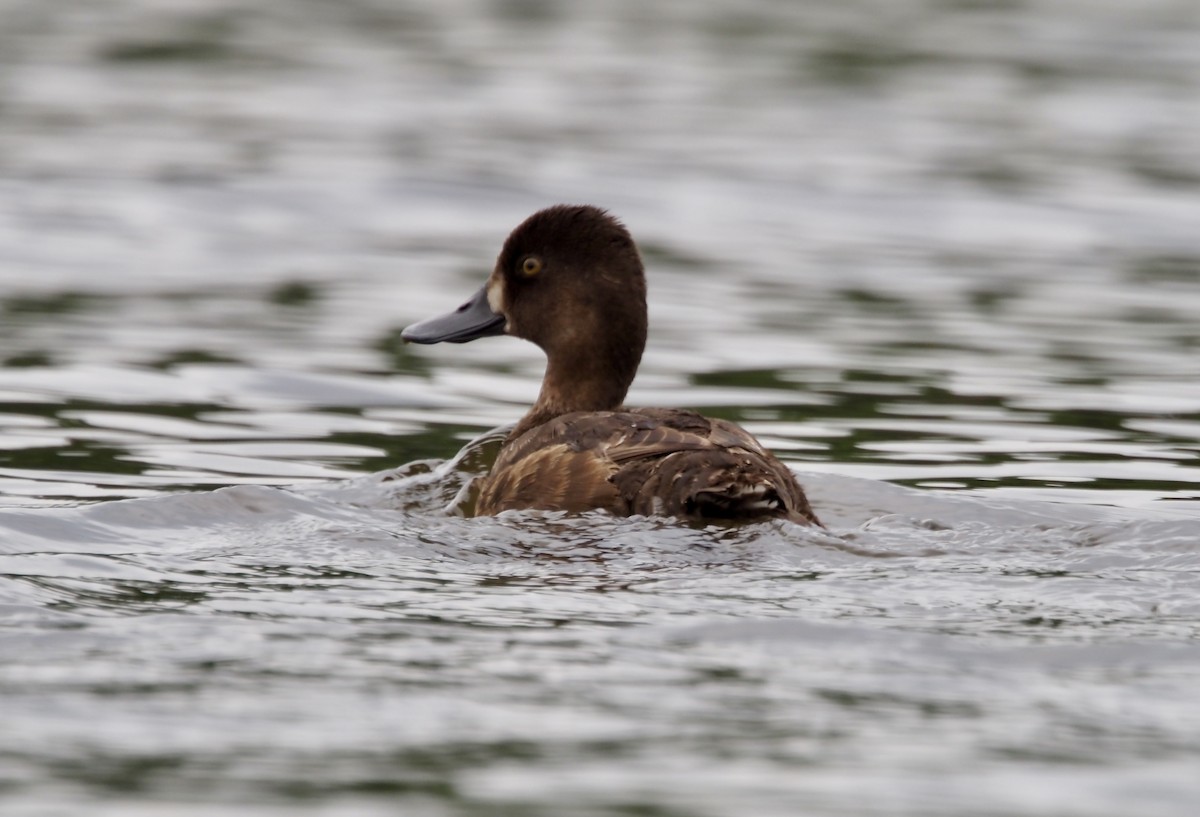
(656, 462)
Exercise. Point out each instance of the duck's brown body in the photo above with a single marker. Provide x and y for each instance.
(654, 462)
(570, 279)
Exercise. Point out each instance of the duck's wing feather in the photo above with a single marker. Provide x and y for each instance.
(553, 477)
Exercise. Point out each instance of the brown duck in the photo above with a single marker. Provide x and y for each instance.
(570, 279)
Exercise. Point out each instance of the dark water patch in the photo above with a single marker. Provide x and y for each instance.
(1042, 72)
(657, 253)
(864, 61)
(743, 30)
(992, 299)
(53, 304)
(1003, 174)
(196, 40)
(80, 456)
(874, 300)
(1165, 269)
(744, 378)
(28, 360)
(294, 293)
(929, 708)
(986, 7)
(117, 598)
(529, 11)
(181, 50)
(190, 357)
(1164, 168)
(399, 354)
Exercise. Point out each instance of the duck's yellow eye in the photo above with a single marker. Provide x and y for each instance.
(531, 266)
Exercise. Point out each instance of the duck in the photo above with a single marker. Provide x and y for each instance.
(570, 279)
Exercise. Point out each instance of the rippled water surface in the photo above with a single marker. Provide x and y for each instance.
(944, 257)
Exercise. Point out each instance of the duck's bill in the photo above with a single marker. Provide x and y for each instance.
(474, 319)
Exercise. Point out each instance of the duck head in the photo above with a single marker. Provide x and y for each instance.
(569, 278)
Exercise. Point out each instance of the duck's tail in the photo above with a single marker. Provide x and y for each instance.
(718, 485)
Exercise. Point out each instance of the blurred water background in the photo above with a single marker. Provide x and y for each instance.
(942, 255)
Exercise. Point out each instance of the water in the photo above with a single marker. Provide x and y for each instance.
(941, 256)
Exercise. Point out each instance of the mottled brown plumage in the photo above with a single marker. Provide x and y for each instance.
(655, 462)
(570, 279)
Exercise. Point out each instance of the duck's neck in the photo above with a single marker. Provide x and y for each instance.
(595, 381)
